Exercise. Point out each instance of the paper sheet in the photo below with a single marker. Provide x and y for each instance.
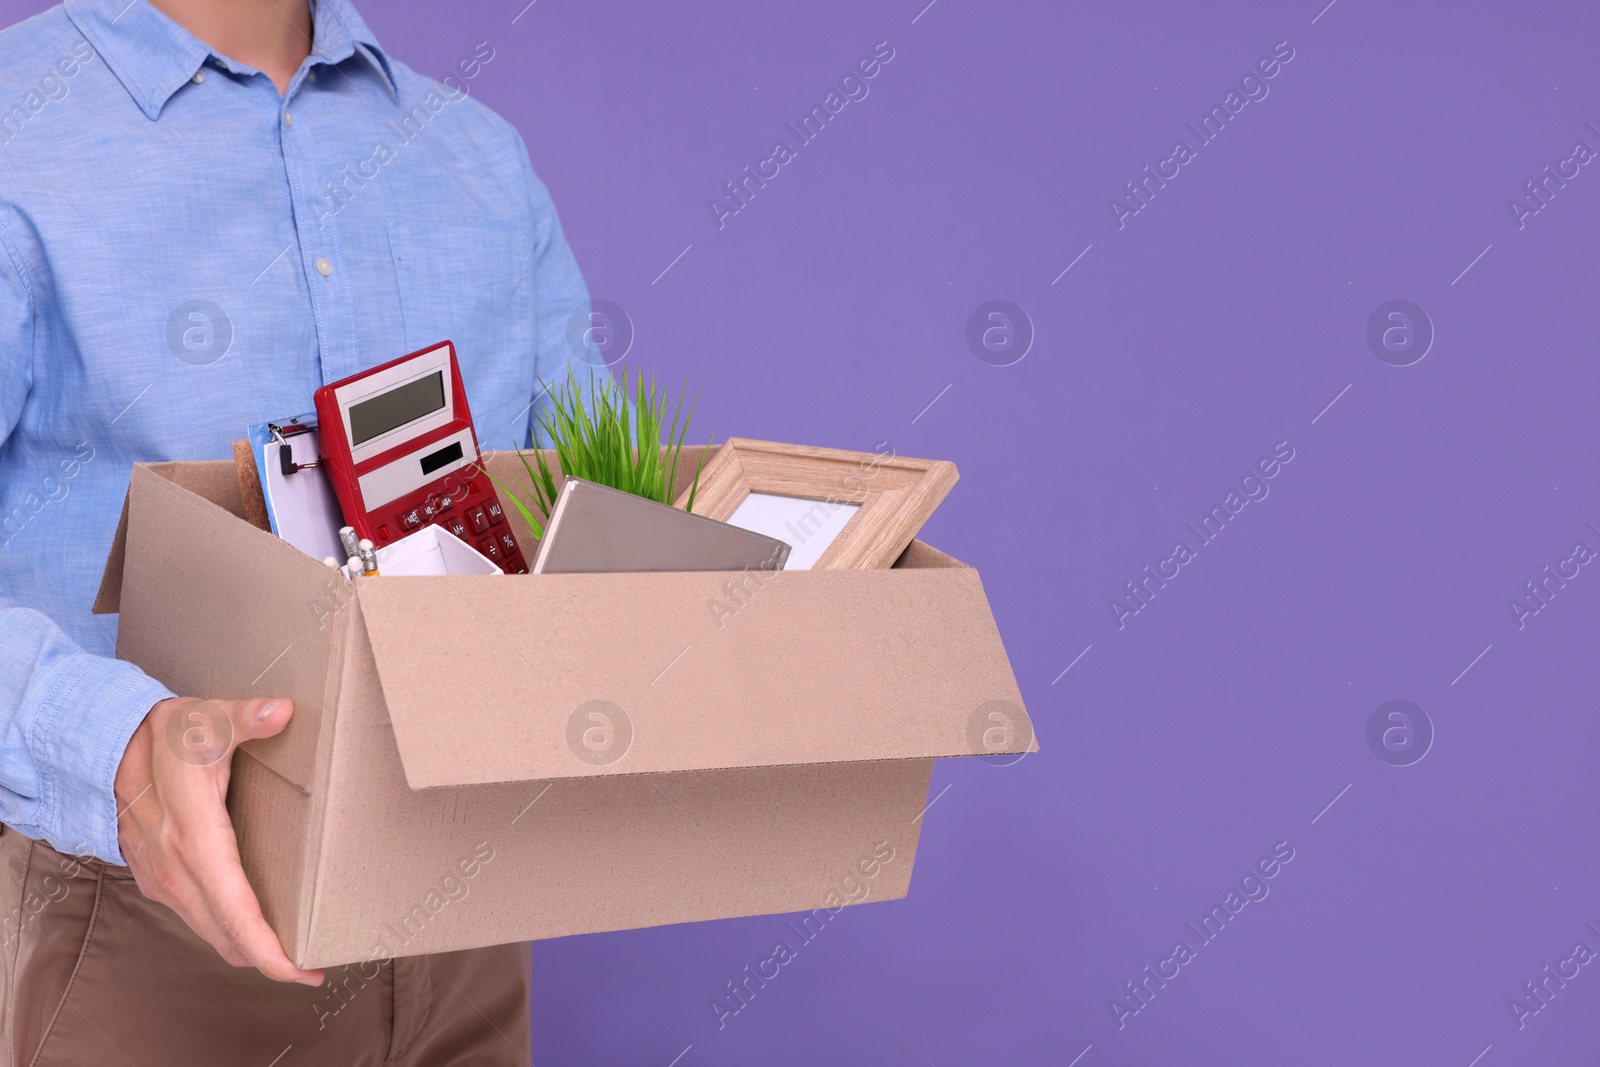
(302, 508)
(809, 526)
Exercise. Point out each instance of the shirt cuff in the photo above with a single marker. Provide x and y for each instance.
(78, 748)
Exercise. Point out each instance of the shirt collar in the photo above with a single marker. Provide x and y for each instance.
(153, 56)
(340, 32)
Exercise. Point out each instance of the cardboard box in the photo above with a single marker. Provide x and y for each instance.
(485, 759)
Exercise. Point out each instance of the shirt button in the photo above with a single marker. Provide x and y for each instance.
(324, 268)
(311, 75)
(288, 119)
(199, 77)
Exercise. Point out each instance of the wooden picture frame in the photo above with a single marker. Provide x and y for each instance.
(890, 497)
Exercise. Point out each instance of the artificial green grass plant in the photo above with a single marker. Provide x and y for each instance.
(614, 439)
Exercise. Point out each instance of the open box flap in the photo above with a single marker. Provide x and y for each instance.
(216, 481)
(180, 537)
(531, 677)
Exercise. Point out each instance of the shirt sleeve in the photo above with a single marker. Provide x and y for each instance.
(560, 298)
(65, 714)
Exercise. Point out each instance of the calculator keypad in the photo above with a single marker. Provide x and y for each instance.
(470, 511)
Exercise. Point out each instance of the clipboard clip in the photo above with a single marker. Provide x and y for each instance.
(281, 432)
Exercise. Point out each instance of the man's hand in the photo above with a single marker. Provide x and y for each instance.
(172, 788)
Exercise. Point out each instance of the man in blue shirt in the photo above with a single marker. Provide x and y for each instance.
(208, 208)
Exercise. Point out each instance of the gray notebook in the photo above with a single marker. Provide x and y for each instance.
(597, 529)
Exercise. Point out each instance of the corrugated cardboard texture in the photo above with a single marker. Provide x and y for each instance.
(350, 861)
(216, 481)
(271, 818)
(223, 610)
(583, 856)
(711, 670)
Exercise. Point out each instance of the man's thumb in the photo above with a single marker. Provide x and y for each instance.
(260, 718)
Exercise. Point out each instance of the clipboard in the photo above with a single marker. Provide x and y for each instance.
(302, 507)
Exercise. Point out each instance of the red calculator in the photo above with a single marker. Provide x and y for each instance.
(401, 453)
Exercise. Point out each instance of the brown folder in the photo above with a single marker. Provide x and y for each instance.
(596, 529)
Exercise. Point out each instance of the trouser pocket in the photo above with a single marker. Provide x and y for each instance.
(49, 902)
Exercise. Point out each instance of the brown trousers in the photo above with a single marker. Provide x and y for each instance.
(92, 972)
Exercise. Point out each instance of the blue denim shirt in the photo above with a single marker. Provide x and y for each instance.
(187, 252)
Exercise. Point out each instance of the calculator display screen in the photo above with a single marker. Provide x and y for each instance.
(388, 411)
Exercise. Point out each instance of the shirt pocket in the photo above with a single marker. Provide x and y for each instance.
(467, 284)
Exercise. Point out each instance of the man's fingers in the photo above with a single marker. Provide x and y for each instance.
(259, 718)
(173, 887)
(251, 937)
(230, 899)
(244, 936)
(191, 906)
(189, 901)
(181, 842)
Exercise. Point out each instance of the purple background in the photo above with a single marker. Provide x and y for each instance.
(1222, 319)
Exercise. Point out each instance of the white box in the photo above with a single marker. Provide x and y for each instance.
(432, 550)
